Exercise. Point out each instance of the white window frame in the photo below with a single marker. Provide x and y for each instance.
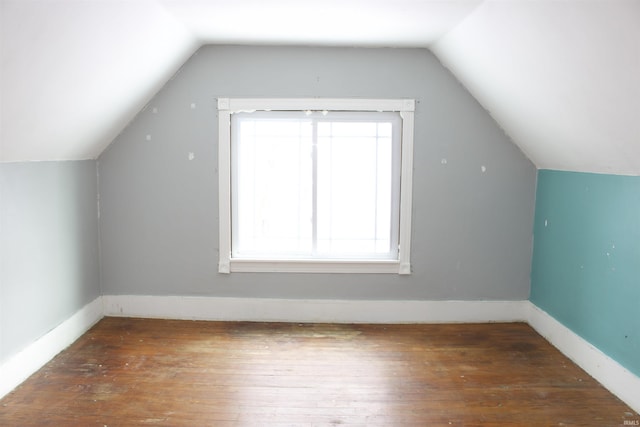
(229, 106)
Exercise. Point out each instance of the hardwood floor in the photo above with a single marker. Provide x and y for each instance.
(185, 373)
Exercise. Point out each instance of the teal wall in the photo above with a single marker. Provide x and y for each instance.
(586, 258)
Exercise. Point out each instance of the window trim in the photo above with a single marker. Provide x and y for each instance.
(229, 106)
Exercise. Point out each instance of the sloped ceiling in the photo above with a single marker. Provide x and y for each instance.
(75, 72)
(562, 77)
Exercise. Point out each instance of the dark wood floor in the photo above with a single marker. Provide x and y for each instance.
(183, 373)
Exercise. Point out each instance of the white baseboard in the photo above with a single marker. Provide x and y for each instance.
(325, 311)
(23, 364)
(613, 376)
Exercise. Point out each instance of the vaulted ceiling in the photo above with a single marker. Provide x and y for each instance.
(562, 77)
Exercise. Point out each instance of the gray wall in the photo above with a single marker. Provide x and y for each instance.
(471, 229)
(48, 247)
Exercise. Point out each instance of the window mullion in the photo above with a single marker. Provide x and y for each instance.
(375, 221)
(314, 187)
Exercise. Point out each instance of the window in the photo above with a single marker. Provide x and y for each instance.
(315, 185)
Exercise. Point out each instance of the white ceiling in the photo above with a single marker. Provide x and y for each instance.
(562, 77)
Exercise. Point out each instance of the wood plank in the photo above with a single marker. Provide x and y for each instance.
(165, 372)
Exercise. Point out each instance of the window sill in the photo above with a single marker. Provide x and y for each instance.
(315, 266)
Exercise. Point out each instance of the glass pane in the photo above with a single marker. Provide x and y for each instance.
(348, 129)
(273, 188)
(354, 190)
(334, 198)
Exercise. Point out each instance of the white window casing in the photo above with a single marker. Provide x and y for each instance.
(241, 262)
